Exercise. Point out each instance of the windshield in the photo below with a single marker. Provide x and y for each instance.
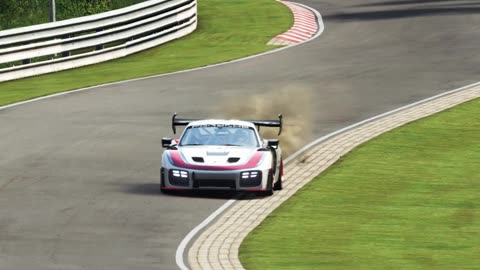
(230, 135)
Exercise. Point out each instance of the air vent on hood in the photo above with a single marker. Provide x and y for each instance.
(197, 159)
(233, 159)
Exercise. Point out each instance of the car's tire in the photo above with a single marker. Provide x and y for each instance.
(269, 190)
(266, 193)
(278, 184)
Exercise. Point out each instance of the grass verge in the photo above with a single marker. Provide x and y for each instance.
(408, 199)
(227, 30)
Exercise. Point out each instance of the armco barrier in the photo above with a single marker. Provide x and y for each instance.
(77, 42)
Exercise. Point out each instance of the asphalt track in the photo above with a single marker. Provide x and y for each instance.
(79, 172)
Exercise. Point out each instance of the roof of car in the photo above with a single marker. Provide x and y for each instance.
(221, 122)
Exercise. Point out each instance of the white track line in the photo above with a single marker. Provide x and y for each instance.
(181, 248)
(307, 147)
(192, 233)
(320, 31)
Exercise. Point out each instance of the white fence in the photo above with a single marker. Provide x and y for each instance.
(50, 47)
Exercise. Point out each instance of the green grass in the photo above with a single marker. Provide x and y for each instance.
(227, 30)
(409, 199)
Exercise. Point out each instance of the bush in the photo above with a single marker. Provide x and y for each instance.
(18, 13)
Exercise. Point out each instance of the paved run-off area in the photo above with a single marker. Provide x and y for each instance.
(218, 246)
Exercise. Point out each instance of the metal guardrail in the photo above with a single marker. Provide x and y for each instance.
(50, 47)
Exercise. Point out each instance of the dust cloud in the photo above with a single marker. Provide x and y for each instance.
(294, 103)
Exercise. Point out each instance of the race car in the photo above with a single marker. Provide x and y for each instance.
(216, 154)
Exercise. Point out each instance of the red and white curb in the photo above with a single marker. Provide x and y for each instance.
(305, 26)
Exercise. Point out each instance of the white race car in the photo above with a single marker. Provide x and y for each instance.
(222, 154)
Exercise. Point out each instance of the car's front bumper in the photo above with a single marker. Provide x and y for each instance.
(216, 180)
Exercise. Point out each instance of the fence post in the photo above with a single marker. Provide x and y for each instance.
(52, 11)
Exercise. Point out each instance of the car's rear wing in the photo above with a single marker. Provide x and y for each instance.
(180, 122)
(258, 123)
(269, 123)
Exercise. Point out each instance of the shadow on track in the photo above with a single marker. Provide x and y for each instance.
(153, 189)
(405, 2)
(418, 8)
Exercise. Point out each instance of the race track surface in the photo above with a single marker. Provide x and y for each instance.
(79, 173)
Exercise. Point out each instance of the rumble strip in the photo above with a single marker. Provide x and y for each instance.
(217, 247)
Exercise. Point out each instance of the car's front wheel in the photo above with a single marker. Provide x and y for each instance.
(278, 184)
(266, 193)
(269, 190)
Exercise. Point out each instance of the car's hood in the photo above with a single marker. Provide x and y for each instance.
(217, 155)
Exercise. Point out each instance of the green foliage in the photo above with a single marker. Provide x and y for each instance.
(70, 8)
(15, 13)
(18, 13)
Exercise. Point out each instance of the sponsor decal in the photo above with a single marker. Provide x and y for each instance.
(220, 125)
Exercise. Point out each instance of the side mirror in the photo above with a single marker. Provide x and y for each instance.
(166, 142)
(272, 143)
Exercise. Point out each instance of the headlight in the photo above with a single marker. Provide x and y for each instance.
(178, 178)
(252, 174)
(250, 179)
(179, 174)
